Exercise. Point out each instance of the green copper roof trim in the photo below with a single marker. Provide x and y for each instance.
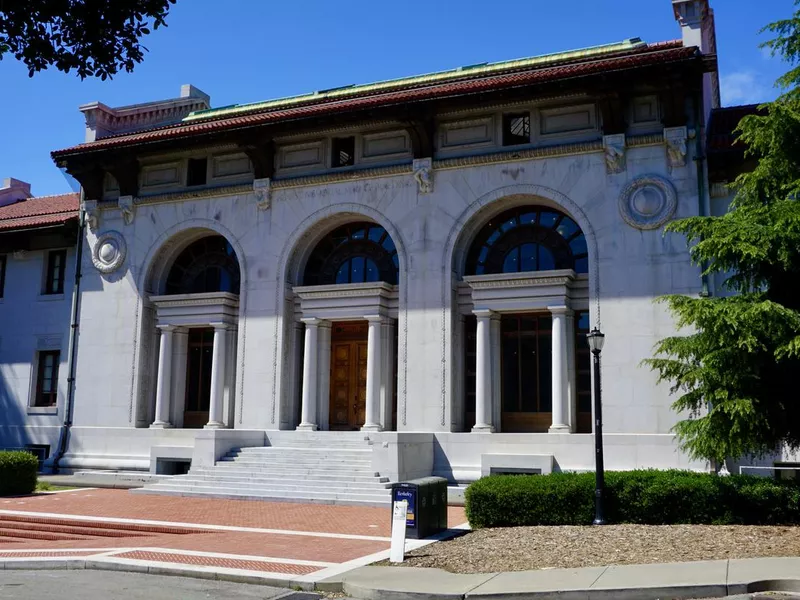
(478, 69)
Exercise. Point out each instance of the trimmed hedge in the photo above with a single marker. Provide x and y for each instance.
(646, 497)
(17, 473)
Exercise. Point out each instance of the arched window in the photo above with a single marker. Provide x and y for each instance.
(207, 265)
(528, 238)
(353, 253)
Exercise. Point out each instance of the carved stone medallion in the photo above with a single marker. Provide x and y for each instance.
(109, 252)
(648, 202)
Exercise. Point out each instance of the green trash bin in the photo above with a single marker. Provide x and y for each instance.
(427, 505)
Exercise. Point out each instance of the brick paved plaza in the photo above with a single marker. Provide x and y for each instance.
(273, 537)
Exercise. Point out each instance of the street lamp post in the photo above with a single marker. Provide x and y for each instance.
(595, 339)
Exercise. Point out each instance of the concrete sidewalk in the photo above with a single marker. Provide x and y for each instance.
(710, 579)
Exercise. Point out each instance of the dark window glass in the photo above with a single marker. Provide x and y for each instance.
(207, 265)
(528, 239)
(353, 253)
(526, 359)
(196, 171)
(54, 281)
(516, 129)
(343, 152)
(583, 377)
(2, 275)
(47, 378)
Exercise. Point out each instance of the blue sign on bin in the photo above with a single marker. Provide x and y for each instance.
(410, 496)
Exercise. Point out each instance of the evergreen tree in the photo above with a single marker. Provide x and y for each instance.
(737, 373)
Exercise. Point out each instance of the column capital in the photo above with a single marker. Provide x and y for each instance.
(560, 310)
(485, 313)
(315, 322)
(221, 325)
(169, 328)
(376, 318)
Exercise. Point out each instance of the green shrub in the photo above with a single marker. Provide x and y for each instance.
(17, 473)
(646, 497)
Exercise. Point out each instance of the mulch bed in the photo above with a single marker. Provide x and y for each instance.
(527, 548)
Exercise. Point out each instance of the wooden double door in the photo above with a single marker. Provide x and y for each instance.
(348, 401)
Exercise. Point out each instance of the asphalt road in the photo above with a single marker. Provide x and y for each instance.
(115, 585)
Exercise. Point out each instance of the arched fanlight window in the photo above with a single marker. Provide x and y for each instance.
(353, 253)
(528, 238)
(207, 265)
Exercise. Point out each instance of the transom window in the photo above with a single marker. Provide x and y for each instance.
(207, 265)
(353, 253)
(528, 238)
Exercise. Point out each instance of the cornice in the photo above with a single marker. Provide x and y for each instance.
(357, 290)
(371, 173)
(512, 280)
(517, 155)
(209, 299)
(228, 190)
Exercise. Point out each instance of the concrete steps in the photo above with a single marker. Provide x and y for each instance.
(313, 467)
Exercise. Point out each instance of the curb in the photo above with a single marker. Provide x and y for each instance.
(705, 579)
(100, 564)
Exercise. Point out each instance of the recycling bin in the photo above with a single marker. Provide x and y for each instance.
(427, 505)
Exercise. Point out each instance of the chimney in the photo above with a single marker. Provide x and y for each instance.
(696, 19)
(103, 121)
(14, 190)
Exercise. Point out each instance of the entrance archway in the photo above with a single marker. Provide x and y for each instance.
(196, 308)
(525, 359)
(348, 305)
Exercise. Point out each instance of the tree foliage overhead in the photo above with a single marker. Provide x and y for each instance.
(738, 373)
(94, 38)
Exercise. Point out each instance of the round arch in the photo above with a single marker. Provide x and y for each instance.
(296, 251)
(476, 215)
(464, 231)
(151, 280)
(155, 267)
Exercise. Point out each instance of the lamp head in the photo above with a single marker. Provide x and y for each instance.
(596, 338)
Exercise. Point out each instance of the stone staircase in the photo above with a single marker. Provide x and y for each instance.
(321, 467)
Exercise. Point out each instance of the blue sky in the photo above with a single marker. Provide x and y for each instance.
(257, 49)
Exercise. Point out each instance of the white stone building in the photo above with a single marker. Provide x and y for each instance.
(417, 260)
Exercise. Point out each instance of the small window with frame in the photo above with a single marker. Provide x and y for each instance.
(47, 379)
(343, 152)
(196, 171)
(2, 274)
(54, 277)
(516, 129)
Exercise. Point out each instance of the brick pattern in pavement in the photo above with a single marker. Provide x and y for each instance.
(227, 563)
(357, 520)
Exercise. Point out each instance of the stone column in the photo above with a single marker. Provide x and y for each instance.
(483, 373)
(572, 393)
(218, 361)
(308, 418)
(371, 420)
(560, 369)
(164, 384)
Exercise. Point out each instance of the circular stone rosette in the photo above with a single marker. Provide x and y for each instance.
(109, 251)
(648, 202)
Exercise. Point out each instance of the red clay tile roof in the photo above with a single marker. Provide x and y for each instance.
(723, 122)
(653, 54)
(41, 211)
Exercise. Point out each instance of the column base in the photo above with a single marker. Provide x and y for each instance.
(161, 425)
(372, 427)
(483, 429)
(214, 425)
(559, 429)
(307, 427)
